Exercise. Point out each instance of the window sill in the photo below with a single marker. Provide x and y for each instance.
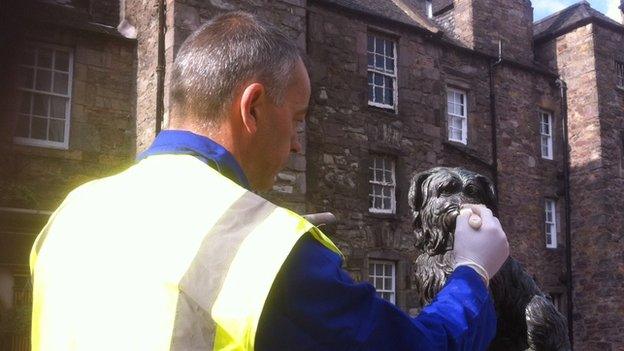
(385, 110)
(47, 152)
(381, 215)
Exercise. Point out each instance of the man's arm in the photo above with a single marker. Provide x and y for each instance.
(315, 305)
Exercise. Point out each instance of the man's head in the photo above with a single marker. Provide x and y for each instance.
(242, 82)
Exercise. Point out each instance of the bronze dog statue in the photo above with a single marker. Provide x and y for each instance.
(526, 319)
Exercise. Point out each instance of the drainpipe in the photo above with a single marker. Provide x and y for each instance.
(160, 67)
(563, 90)
(493, 120)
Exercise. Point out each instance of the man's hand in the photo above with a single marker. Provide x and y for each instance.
(480, 242)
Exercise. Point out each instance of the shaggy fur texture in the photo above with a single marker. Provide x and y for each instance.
(526, 318)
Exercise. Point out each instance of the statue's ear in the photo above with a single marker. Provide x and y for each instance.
(416, 194)
(490, 191)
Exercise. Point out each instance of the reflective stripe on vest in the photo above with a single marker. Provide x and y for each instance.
(168, 255)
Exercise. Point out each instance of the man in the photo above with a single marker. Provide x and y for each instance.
(176, 254)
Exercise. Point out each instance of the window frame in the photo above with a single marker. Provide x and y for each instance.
(619, 74)
(372, 181)
(549, 136)
(384, 73)
(464, 117)
(372, 278)
(550, 205)
(429, 8)
(63, 145)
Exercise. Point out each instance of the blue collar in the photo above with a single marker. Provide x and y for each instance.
(181, 142)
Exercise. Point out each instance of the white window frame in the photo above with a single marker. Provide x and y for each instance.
(550, 224)
(384, 164)
(429, 8)
(64, 145)
(384, 73)
(546, 134)
(375, 277)
(619, 73)
(451, 114)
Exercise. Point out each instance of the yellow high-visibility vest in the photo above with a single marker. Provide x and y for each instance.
(167, 255)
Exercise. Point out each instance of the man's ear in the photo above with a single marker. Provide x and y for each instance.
(251, 99)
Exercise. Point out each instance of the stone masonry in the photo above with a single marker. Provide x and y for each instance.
(114, 104)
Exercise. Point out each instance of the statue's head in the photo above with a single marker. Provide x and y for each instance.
(435, 197)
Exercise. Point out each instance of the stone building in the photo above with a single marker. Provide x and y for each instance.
(72, 121)
(397, 87)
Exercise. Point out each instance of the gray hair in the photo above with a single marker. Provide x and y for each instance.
(224, 53)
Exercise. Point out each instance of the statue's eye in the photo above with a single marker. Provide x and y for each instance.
(448, 188)
(471, 190)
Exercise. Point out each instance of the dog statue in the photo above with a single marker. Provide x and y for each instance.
(526, 318)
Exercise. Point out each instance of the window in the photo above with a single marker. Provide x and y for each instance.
(382, 274)
(382, 181)
(45, 74)
(546, 134)
(457, 115)
(619, 73)
(429, 8)
(551, 224)
(382, 77)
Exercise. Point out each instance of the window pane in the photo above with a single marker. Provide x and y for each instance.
(61, 61)
(390, 65)
(57, 130)
(26, 77)
(371, 269)
(44, 58)
(371, 60)
(386, 203)
(60, 83)
(388, 270)
(25, 103)
(379, 62)
(378, 94)
(379, 175)
(370, 43)
(39, 128)
(40, 104)
(388, 97)
(378, 79)
(388, 284)
(371, 92)
(44, 80)
(379, 283)
(379, 46)
(23, 126)
(548, 239)
(386, 191)
(58, 105)
(389, 48)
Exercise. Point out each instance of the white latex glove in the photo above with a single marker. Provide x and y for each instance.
(480, 242)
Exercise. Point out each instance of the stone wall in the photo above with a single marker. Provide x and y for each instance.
(143, 14)
(102, 126)
(344, 133)
(480, 24)
(525, 178)
(596, 120)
